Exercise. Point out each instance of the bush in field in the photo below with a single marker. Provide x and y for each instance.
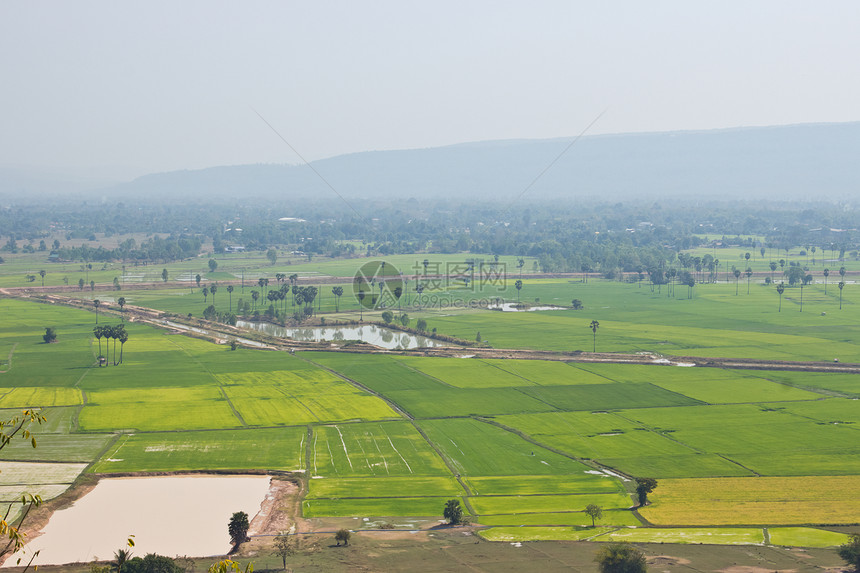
(421, 325)
(151, 563)
(850, 552)
(50, 335)
(387, 316)
(342, 535)
(620, 558)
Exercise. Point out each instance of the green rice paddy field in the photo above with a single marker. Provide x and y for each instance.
(525, 445)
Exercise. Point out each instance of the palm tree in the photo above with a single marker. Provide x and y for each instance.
(42, 274)
(107, 332)
(398, 291)
(419, 288)
(803, 283)
(98, 332)
(737, 273)
(361, 295)
(772, 268)
(230, 292)
(813, 256)
(123, 338)
(205, 294)
(594, 326)
(121, 302)
(255, 296)
(97, 303)
(120, 558)
(197, 279)
(842, 272)
(337, 292)
(748, 273)
(841, 286)
(212, 290)
(826, 274)
(780, 288)
(519, 286)
(117, 333)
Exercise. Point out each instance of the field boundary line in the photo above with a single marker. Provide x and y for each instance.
(75, 420)
(9, 360)
(108, 447)
(430, 376)
(214, 379)
(484, 360)
(541, 400)
(393, 405)
(584, 461)
(668, 436)
(755, 473)
(449, 465)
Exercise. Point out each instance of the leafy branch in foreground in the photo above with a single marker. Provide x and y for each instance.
(10, 525)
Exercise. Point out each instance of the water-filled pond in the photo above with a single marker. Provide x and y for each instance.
(370, 333)
(173, 515)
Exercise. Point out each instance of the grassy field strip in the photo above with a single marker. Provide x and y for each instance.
(548, 373)
(58, 420)
(544, 484)
(239, 449)
(507, 504)
(48, 480)
(709, 535)
(13, 493)
(17, 473)
(374, 449)
(614, 517)
(58, 448)
(742, 390)
(759, 501)
(375, 507)
(520, 534)
(482, 449)
(383, 487)
(8, 365)
(760, 437)
(805, 537)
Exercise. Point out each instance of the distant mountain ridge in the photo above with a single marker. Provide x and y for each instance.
(806, 161)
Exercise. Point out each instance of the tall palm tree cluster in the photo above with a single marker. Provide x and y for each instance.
(117, 333)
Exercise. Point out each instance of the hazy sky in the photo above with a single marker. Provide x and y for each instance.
(126, 88)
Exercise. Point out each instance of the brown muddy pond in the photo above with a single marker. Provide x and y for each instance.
(173, 516)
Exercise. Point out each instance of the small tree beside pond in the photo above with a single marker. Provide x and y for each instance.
(238, 527)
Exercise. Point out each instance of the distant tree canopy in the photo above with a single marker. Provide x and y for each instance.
(562, 236)
(152, 250)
